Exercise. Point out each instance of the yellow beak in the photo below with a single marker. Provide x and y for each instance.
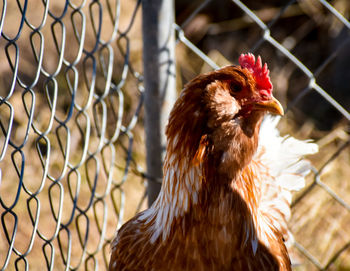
(273, 106)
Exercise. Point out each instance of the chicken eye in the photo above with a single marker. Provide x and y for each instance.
(235, 87)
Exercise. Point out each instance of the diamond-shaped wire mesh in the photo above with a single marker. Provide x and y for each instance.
(68, 130)
(71, 137)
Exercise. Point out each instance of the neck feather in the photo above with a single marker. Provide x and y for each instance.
(180, 190)
(202, 167)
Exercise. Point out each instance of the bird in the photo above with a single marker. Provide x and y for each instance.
(228, 178)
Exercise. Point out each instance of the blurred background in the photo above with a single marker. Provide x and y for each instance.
(72, 100)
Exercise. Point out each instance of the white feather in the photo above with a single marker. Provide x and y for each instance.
(283, 159)
(167, 206)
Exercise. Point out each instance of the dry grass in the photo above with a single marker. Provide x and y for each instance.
(319, 222)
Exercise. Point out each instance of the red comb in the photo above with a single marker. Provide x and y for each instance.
(260, 73)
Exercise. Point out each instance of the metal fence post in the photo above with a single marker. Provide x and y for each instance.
(159, 82)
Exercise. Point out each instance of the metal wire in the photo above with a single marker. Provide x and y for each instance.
(76, 137)
(71, 94)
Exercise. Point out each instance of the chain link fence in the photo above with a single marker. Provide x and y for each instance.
(72, 147)
(69, 130)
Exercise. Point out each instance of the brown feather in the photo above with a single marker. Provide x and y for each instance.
(206, 217)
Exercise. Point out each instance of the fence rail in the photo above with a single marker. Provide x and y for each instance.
(75, 77)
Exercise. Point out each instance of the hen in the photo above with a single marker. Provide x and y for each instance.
(228, 174)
